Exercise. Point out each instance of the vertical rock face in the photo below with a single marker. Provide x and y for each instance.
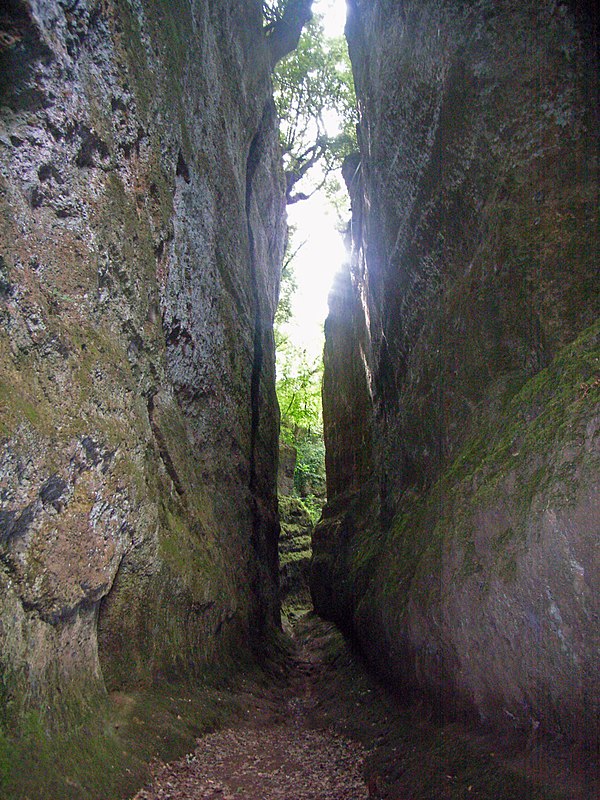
(141, 234)
(460, 539)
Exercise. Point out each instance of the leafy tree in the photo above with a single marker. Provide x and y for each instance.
(299, 394)
(298, 376)
(298, 391)
(273, 12)
(309, 477)
(314, 95)
(314, 92)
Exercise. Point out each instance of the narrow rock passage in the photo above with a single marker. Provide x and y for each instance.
(328, 731)
(282, 750)
(274, 763)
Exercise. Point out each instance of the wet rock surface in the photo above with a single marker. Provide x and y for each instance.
(462, 365)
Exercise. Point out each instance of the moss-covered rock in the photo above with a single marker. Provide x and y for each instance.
(461, 377)
(483, 588)
(294, 553)
(141, 234)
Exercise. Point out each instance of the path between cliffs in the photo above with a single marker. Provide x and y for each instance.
(283, 749)
(327, 731)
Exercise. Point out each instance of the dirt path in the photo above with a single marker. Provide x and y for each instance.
(329, 732)
(282, 750)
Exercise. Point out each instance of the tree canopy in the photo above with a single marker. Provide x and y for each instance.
(315, 100)
(316, 103)
(299, 379)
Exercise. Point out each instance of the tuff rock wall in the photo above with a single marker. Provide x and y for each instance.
(142, 222)
(462, 376)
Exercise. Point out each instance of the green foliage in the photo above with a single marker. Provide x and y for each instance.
(299, 395)
(316, 102)
(298, 390)
(299, 379)
(6, 758)
(309, 477)
(298, 376)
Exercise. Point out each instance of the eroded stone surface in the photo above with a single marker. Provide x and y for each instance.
(459, 543)
(141, 233)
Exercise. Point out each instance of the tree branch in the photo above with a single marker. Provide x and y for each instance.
(299, 169)
(284, 34)
(288, 260)
(298, 196)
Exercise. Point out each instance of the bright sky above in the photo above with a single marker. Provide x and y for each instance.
(316, 222)
(335, 15)
(315, 265)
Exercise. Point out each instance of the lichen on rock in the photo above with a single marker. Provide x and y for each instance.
(461, 377)
(138, 279)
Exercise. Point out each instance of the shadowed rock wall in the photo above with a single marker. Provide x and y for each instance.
(460, 540)
(142, 222)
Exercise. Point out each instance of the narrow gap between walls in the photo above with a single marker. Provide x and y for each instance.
(314, 95)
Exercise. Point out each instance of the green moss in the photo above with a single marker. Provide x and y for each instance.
(295, 539)
(509, 569)
(21, 395)
(29, 393)
(107, 753)
(191, 554)
(7, 759)
(545, 415)
(172, 22)
(292, 558)
(366, 549)
(134, 52)
(56, 753)
(532, 448)
(471, 565)
(170, 25)
(14, 407)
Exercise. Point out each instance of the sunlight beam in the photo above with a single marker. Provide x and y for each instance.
(317, 225)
